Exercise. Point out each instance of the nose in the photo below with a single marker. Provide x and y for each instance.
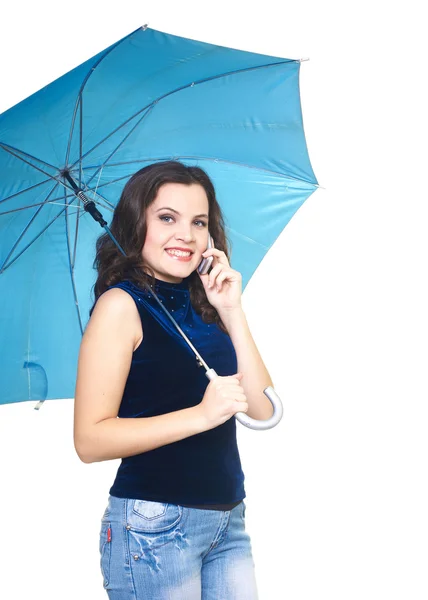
(185, 235)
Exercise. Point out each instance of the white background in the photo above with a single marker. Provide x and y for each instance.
(337, 493)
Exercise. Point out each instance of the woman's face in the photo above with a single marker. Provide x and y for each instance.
(177, 218)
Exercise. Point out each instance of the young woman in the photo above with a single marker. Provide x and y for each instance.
(174, 526)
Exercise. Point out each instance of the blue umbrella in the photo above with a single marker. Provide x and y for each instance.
(71, 147)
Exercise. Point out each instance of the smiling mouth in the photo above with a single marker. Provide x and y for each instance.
(178, 253)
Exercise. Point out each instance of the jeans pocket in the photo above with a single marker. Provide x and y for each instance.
(152, 525)
(147, 516)
(105, 551)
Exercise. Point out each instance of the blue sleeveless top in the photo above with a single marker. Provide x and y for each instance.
(202, 470)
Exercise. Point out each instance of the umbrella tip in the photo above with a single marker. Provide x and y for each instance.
(144, 27)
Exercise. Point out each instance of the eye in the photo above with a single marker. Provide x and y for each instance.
(203, 224)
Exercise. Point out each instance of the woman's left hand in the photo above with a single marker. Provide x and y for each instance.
(225, 290)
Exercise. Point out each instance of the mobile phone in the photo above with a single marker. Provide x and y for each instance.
(205, 263)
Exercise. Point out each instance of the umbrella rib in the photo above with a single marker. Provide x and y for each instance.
(99, 204)
(78, 214)
(110, 207)
(2, 267)
(50, 202)
(144, 160)
(80, 141)
(8, 148)
(270, 171)
(23, 191)
(79, 97)
(192, 84)
(34, 166)
(71, 265)
(232, 162)
(208, 158)
(246, 237)
(120, 144)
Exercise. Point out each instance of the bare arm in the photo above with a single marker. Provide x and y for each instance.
(255, 375)
(113, 332)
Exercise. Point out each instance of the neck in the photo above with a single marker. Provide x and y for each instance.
(168, 280)
(164, 278)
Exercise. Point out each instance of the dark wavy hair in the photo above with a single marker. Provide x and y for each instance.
(129, 228)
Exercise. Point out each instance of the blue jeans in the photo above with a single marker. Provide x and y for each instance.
(160, 551)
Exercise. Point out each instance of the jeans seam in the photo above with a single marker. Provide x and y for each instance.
(126, 546)
(217, 541)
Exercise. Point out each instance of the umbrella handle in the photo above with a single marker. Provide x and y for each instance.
(255, 423)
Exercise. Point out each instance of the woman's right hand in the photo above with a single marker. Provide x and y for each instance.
(223, 398)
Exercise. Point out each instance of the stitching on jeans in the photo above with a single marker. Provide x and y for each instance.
(217, 540)
(126, 545)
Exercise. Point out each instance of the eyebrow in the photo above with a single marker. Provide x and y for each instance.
(176, 211)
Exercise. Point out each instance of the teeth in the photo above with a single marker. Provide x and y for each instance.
(178, 253)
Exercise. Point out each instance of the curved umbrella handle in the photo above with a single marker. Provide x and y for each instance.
(254, 423)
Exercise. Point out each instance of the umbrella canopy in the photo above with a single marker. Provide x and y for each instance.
(149, 97)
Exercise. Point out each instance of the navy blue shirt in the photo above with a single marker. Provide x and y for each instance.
(200, 470)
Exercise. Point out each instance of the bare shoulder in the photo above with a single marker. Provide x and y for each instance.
(118, 308)
(105, 358)
(115, 301)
